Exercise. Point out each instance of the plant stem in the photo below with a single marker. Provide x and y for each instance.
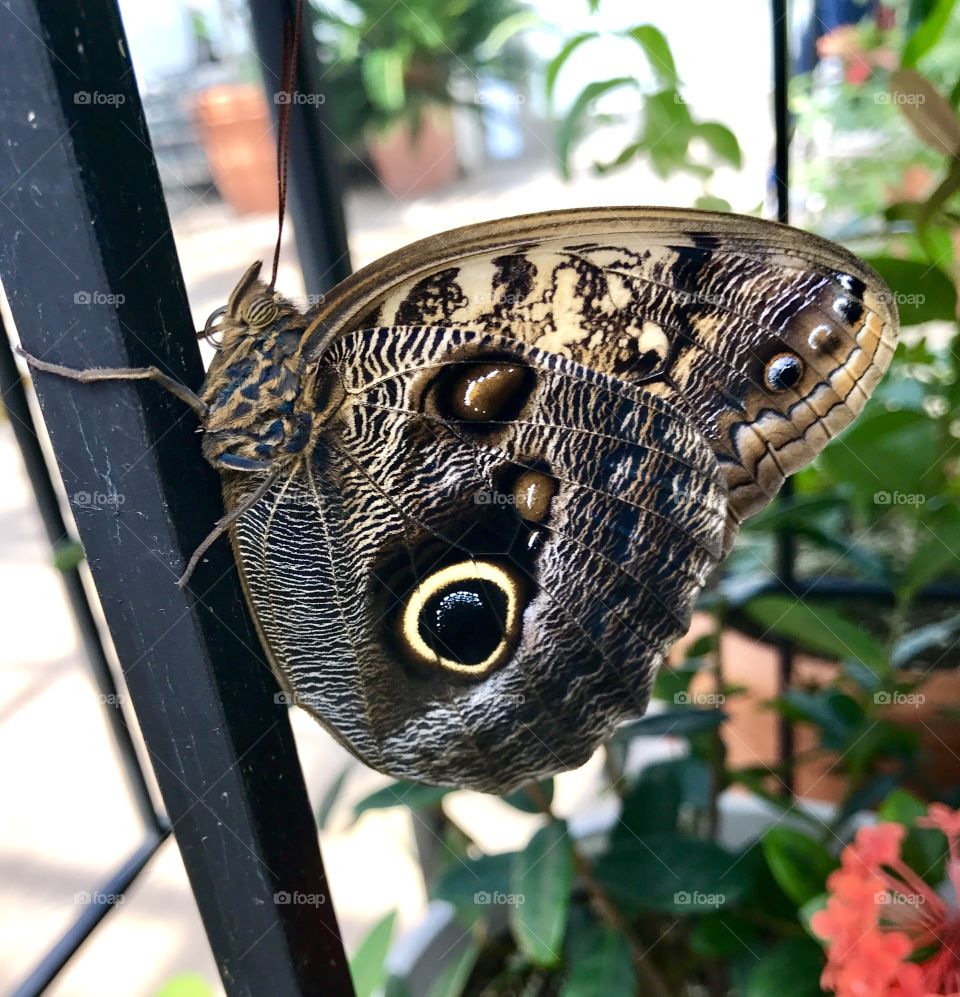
(649, 979)
(718, 774)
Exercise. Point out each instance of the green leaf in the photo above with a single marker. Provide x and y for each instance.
(186, 985)
(330, 798)
(522, 800)
(839, 717)
(924, 848)
(891, 459)
(799, 864)
(541, 879)
(569, 127)
(560, 59)
(928, 32)
(411, 795)
(383, 79)
(792, 967)
(813, 906)
(657, 50)
(653, 802)
(68, 554)
(368, 966)
(671, 873)
(679, 723)
(722, 935)
(816, 628)
(472, 886)
(721, 140)
(603, 966)
(933, 635)
(453, 978)
(937, 552)
(922, 293)
(707, 202)
(508, 28)
(868, 795)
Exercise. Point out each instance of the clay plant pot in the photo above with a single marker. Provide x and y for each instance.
(751, 733)
(237, 134)
(408, 165)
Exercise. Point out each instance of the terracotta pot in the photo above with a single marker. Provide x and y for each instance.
(408, 166)
(237, 134)
(751, 735)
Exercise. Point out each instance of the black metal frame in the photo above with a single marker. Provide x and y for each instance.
(90, 271)
(81, 201)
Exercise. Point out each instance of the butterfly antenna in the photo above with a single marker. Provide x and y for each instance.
(288, 77)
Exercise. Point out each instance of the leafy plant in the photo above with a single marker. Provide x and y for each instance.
(388, 62)
(667, 132)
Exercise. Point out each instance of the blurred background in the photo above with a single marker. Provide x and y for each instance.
(443, 113)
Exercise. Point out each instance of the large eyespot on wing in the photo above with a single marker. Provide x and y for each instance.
(506, 576)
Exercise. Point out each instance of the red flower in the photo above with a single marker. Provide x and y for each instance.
(882, 919)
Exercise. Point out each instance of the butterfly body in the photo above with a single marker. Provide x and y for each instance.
(475, 493)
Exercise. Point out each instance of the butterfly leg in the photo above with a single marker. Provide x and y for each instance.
(94, 374)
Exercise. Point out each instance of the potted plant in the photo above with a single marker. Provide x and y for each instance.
(392, 72)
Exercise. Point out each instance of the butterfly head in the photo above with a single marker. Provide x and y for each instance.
(251, 308)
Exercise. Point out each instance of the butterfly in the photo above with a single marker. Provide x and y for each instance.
(474, 494)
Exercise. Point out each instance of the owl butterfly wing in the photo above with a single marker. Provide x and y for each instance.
(510, 541)
(772, 339)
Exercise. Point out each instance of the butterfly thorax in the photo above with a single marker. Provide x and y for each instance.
(257, 411)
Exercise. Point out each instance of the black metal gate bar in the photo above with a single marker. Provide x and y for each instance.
(786, 542)
(101, 903)
(88, 263)
(315, 204)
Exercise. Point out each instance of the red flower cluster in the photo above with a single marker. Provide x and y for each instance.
(888, 933)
